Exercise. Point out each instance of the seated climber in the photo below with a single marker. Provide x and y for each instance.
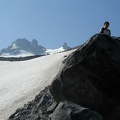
(105, 30)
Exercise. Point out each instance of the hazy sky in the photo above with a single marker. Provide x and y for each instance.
(53, 22)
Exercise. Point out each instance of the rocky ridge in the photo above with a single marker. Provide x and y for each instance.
(23, 45)
(23, 48)
(87, 88)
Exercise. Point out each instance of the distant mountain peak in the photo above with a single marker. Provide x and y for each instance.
(23, 46)
(65, 46)
(34, 43)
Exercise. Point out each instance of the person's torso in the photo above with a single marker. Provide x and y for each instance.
(106, 31)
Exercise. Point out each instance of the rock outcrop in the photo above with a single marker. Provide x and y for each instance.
(71, 111)
(65, 46)
(91, 77)
(44, 107)
(87, 88)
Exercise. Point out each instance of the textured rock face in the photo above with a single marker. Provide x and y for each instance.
(70, 111)
(37, 109)
(91, 76)
(44, 107)
(86, 88)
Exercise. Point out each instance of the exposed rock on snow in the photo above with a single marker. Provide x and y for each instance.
(71, 111)
(91, 77)
(44, 107)
(36, 109)
(86, 88)
(21, 81)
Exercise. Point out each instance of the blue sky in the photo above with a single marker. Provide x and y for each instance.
(53, 22)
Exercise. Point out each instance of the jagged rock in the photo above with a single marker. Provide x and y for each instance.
(90, 81)
(91, 77)
(44, 107)
(39, 108)
(70, 111)
(34, 43)
(21, 46)
(65, 46)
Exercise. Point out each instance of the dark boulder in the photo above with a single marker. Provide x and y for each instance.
(37, 109)
(44, 107)
(87, 88)
(70, 111)
(91, 77)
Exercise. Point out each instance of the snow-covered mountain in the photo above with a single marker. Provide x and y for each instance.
(61, 49)
(21, 81)
(22, 47)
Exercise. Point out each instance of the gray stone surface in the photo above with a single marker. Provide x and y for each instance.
(70, 111)
(91, 76)
(87, 88)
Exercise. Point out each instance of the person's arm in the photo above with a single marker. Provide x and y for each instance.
(102, 30)
(109, 32)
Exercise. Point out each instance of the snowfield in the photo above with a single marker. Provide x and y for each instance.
(21, 81)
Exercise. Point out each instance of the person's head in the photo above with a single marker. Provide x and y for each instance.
(106, 24)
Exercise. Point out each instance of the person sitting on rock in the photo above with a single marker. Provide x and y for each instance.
(105, 30)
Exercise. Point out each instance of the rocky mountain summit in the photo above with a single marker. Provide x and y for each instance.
(87, 88)
(23, 45)
(65, 46)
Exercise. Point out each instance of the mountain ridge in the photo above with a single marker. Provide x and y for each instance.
(23, 47)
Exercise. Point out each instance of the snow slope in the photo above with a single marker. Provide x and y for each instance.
(21, 81)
